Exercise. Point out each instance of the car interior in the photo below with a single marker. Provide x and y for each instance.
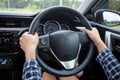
(64, 48)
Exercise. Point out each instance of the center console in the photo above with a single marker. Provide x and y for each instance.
(8, 42)
(11, 62)
(9, 47)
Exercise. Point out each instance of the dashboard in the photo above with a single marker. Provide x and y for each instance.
(13, 26)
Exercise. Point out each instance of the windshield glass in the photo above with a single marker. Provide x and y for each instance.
(32, 6)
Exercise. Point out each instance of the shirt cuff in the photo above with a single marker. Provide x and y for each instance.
(31, 63)
(31, 68)
(103, 54)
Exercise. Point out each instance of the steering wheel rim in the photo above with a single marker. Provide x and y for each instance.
(84, 21)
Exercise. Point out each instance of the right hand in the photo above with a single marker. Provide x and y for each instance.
(95, 37)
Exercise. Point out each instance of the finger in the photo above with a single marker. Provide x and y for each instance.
(20, 39)
(79, 74)
(36, 34)
(21, 43)
(25, 33)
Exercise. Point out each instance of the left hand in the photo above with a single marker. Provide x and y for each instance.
(28, 43)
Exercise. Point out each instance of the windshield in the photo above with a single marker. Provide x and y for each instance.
(32, 6)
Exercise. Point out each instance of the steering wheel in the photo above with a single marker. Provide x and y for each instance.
(65, 45)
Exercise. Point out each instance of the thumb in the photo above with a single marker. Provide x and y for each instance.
(36, 34)
(87, 31)
(79, 74)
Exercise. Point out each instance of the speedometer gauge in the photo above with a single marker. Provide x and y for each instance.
(65, 27)
(51, 26)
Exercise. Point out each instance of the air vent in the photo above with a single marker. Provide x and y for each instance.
(15, 22)
(2, 22)
(9, 23)
(115, 42)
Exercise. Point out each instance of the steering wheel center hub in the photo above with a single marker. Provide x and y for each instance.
(65, 46)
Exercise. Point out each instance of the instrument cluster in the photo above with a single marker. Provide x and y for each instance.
(51, 26)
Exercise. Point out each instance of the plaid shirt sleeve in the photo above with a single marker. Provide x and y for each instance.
(110, 64)
(31, 70)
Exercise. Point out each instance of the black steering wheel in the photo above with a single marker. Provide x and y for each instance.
(65, 45)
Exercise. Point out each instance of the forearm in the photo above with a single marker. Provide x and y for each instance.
(30, 56)
(110, 64)
(100, 45)
(30, 53)
(31, 70)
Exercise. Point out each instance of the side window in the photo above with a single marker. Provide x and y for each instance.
(112, 5)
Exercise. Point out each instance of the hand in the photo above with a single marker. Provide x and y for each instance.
(28, 43)
(47, 76)
(95, 37)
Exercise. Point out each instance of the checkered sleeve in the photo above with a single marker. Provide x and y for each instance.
(31, 70)
(110, 64)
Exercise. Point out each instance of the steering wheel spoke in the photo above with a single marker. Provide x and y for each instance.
(83, 37)
(44, 41)
(69, 64)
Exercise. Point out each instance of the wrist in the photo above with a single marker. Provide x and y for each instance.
(31, 49)
(100, 45)
(98, 42)
(30, 54)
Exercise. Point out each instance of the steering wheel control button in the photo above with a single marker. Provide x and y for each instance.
(44, 41)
